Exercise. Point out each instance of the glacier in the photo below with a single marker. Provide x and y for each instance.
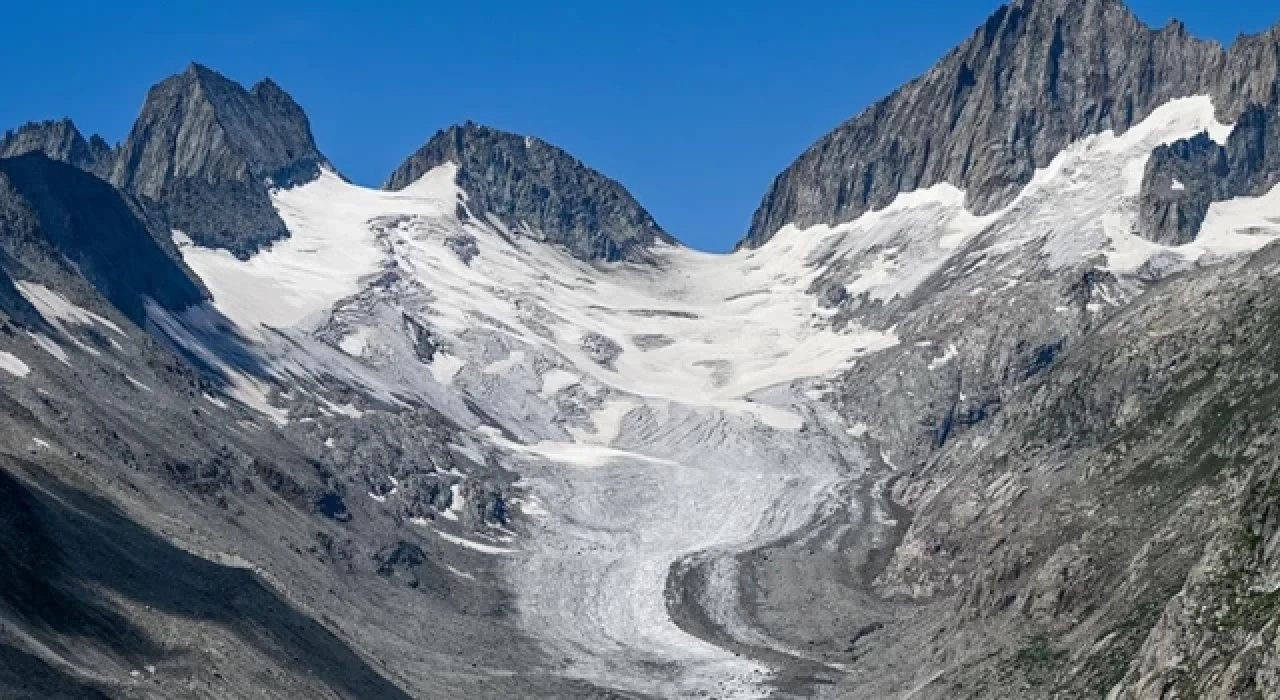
(664, 417)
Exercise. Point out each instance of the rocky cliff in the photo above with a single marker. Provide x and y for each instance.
(1184, 178)
(1038, 76)
(205, 151)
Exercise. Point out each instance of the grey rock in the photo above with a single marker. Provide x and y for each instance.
(62, 141)
(1184, 178)
(602, 350)
(533, 187)
(1038, 76)
(205, 152)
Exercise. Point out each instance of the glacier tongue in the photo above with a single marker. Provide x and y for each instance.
(655, 412)
(665, 414)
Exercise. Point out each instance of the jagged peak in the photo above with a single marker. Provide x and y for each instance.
(470, 134)
(206, 151)
(61, 140)
(528, 183)
(1037, 76)
(63, 125)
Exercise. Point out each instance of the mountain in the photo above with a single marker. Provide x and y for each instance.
(1037, 77)
(62, 141)
(535, 188)
(995, 430)
(205, 152)
(203, 155)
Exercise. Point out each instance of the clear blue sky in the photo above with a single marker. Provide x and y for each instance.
(693, 105)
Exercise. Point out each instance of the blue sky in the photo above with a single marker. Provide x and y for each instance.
(693, 105)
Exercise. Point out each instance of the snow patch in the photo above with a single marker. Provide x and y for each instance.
(355, 343)
(556, 380)
(45, 343)
(13, 365)
(57, 310)
(444, 368)
(473, 545)
(946, 357)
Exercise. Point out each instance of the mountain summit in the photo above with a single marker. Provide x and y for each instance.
(205, 151)
(1036, 77)
(531, 186)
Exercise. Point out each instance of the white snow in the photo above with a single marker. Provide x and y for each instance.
(249, 391)
(457, 504)
(56, 309)
(355, 343)
(556, 380)
(445, 367)
(13, 365)
(941, 361)
(329, 249)
(45, 343)
(459, 573)
(215, 401)
(472, 544)
(341, 234)
(695, 445)
(607, 421)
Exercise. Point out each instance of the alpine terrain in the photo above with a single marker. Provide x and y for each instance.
(982, 406)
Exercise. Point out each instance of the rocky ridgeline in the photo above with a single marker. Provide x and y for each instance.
(202, 156)
(1038, 76)
(533, 187)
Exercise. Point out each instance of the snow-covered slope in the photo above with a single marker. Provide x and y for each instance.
(665, 417)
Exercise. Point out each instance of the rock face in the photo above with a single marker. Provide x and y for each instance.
(205, 152)
(1038, 76)
(1184, 178)
(62, 141)
(53, 212)
(531, 186)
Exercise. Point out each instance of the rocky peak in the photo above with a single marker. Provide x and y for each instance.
(60, 140)
(205, 151)
(535, 188)
(1037, 76)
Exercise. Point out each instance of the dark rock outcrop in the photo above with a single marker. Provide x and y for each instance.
(62, 141)
(52, 214)
(533, 187)
(205, 153)
(1039, 75)
(1184, 178)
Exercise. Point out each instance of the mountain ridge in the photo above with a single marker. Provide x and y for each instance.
(953, 124)
(526, 182)
(423, 444)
